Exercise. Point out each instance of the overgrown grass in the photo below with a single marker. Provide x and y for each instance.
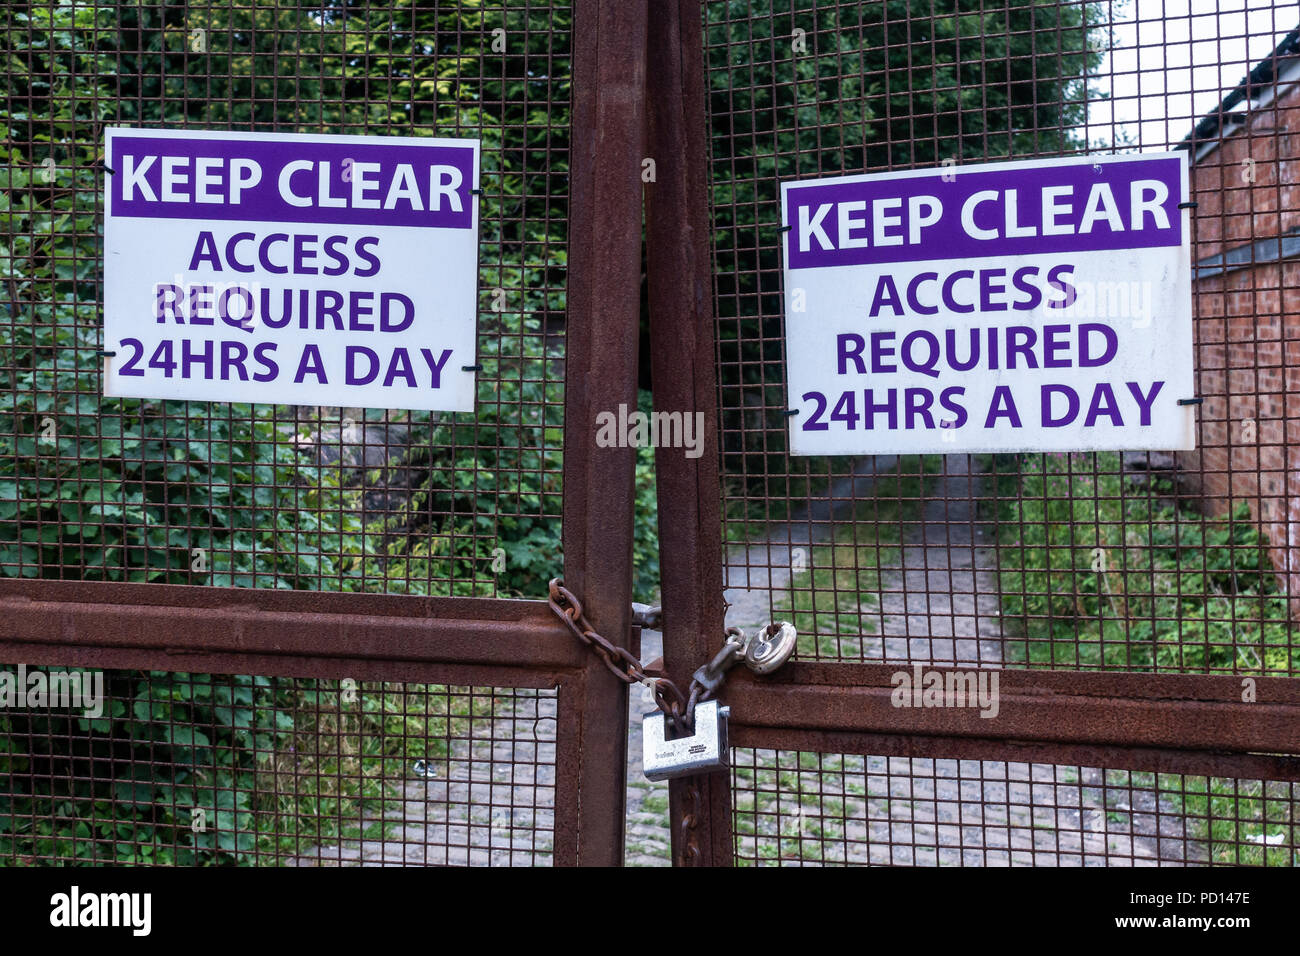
(802, 813)
(342, 773)
(1102, 573)
(1238, 822)
(754, 501)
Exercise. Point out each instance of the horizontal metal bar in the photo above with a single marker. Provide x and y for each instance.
(1194, 712)
(1215, 763)
(180, 620)
(285, 666)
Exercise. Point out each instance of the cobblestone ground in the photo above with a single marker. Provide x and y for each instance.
(490, 802)
(938, 605)
(755, 570)
(837, 809)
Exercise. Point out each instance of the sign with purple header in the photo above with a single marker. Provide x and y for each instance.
(291, 269)
(1042, 305)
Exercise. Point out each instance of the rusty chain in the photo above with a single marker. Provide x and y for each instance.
(676, 706)
(668, 696)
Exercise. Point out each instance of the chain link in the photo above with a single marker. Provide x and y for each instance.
(676, 706)
(668, 696)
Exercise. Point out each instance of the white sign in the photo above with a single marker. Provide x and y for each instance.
(293, 269)
(1020, 306)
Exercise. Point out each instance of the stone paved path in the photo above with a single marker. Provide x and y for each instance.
(940, 605)
(490, 802)
(755, 570)
(922, 812)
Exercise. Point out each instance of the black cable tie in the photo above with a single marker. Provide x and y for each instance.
(471, 368)
(106, 168)
(1188, 205)
(1191, 401)
(786, 228)
(791, 413)
(105, 353)
(477, 192)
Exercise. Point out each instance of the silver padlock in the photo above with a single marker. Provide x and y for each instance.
(704, 751)
(771, 647)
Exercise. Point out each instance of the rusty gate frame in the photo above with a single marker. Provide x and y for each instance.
(639, 88)
(1128, 721)
(463, 641)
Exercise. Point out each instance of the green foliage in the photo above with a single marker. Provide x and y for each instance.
(492, 482)
(196, 769)
(1104, 574)
(112, 804)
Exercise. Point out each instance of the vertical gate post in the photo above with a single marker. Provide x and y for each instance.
(682, 354)
(608, 144)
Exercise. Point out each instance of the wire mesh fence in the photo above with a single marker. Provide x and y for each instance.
(1134, 561)
(1110, 561)
(189, 768)
(281, 496)
(156, 768)
(804, 808)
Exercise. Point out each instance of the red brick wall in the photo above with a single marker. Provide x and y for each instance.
(1247, 329)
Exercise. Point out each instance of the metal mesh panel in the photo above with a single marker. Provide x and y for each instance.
(798, 807)
(1136, 561)
(283, 496)
(197, 769)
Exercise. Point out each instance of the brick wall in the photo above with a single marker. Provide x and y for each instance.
(1247, 329)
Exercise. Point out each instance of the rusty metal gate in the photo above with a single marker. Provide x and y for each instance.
(301, 611)
(171, 542)
(1133, 606)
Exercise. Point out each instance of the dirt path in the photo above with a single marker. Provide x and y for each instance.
(940, 605)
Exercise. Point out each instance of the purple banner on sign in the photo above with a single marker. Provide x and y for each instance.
(998, 212)
(346, 183)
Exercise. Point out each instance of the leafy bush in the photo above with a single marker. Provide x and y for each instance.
(126, 489)
(111, 805)
(1105, 574)
(200, 769)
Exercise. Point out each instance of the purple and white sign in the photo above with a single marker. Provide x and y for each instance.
(1022, 306)
(290, 268)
